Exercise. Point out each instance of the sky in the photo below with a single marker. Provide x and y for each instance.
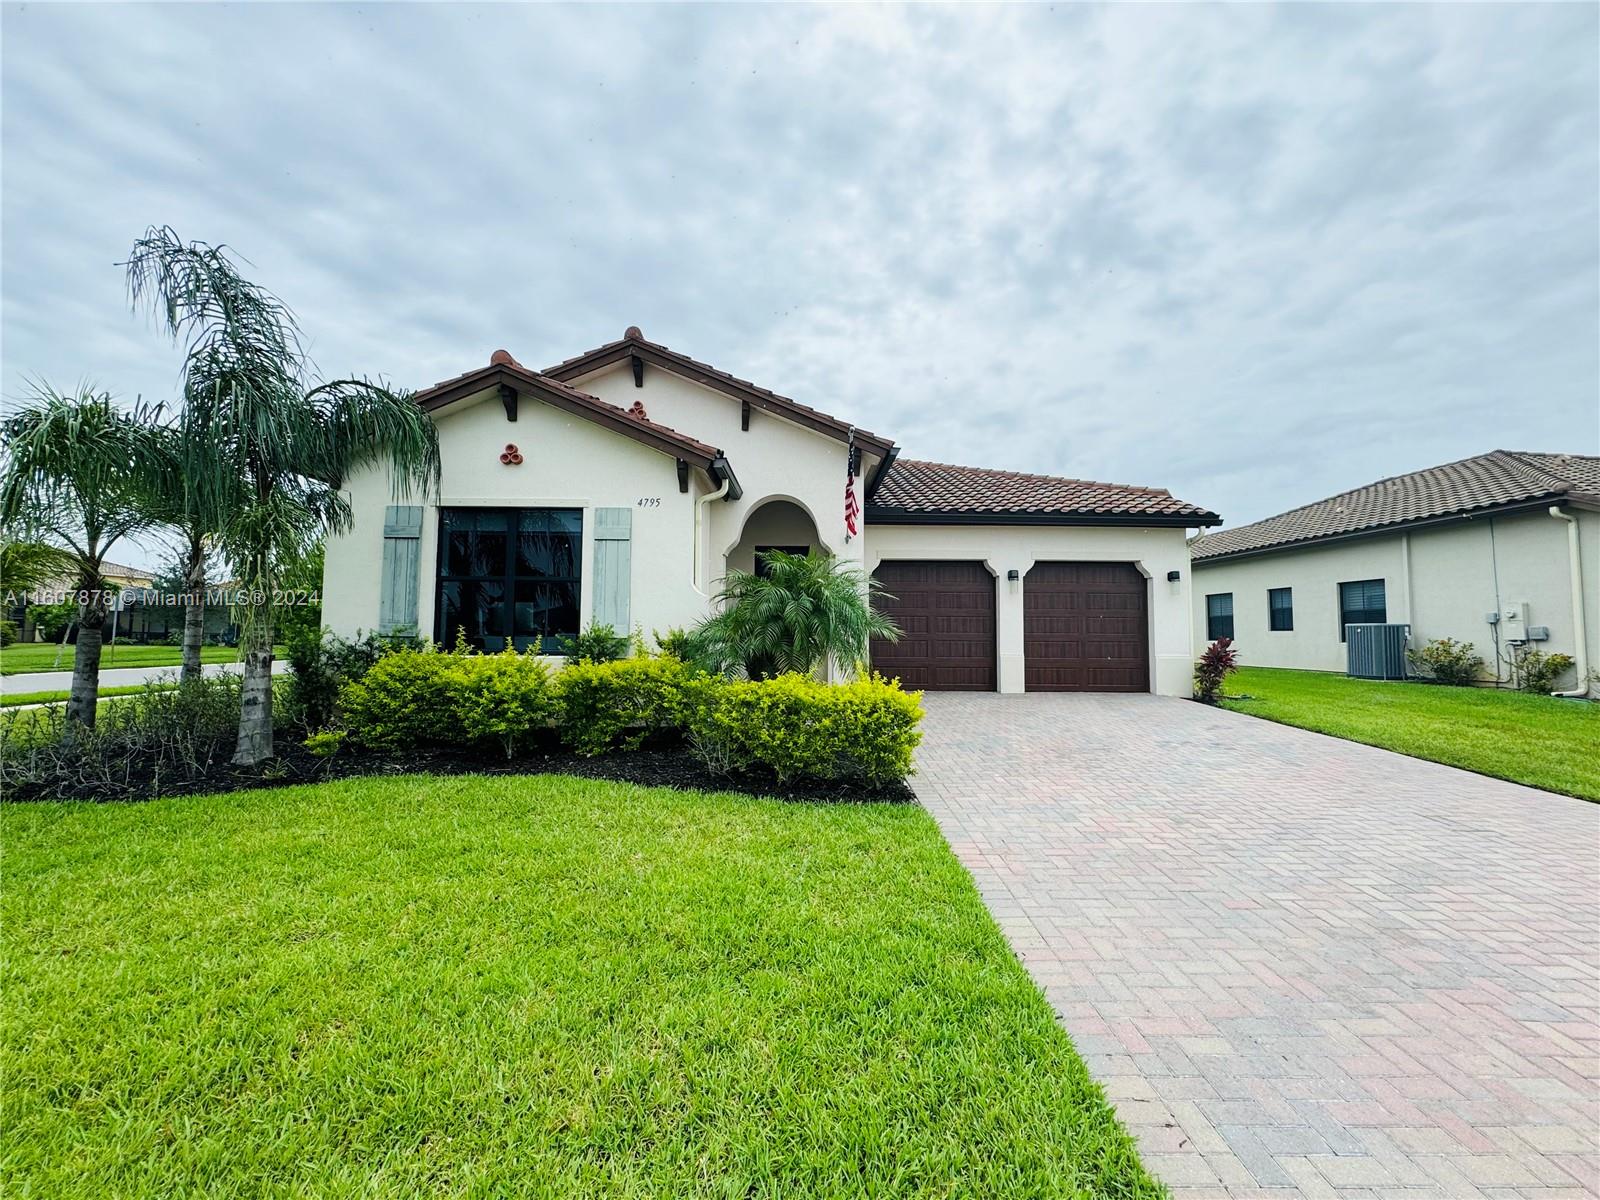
(1255, 255)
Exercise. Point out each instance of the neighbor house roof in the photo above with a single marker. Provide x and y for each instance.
(1489, 482)
(916, 493)
(504, 371)
(633, 345)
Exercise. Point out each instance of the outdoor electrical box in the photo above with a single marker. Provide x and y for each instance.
(1514, 621)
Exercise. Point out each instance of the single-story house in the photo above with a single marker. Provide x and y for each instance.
(619, 486)
(1501, 550)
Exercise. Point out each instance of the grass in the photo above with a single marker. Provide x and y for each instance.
(533, 986)
(24, 658)
(1536, 740)
(13, 699)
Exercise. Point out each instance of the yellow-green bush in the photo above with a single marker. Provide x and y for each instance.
(603, 705)
(407, 698)
(422, 697)
(803, 730)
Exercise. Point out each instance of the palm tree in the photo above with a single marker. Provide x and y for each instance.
(283, 448)
(26, 566)
(78, 470)
(797, 613)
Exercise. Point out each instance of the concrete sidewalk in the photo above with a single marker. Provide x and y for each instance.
(60, 681)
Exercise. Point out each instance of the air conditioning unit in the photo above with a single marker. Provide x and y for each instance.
(1376, 651)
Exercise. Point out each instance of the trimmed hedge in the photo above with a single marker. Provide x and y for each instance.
(799, 728)
(605, 705)
(793, 728)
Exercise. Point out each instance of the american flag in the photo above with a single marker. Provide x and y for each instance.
(852, 509)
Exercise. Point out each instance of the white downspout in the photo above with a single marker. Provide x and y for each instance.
(1575, 572)
(699, 508)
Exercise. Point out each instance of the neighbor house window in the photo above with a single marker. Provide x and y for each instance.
(509, 576)
(1219, 616)
(1280, 609)
(1361, 603)
(761, 566)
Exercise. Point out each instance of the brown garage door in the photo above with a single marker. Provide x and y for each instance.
(1083, 628)
(945, 611)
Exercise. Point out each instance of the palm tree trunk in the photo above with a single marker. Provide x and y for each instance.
(85, 691)
(255, 712)
(194, 611)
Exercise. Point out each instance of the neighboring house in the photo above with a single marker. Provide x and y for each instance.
(1501, 550)
(621, 485)
(116, 576)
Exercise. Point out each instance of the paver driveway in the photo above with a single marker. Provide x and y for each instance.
(1300, 966)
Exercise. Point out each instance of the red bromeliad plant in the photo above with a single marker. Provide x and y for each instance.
(1216, 664)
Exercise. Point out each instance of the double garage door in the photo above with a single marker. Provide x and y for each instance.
(1084, 627)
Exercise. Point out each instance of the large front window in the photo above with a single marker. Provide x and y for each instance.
(509, 574)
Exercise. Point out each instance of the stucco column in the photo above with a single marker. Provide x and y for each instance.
(1011, 666)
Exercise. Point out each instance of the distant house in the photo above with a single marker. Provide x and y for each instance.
(620, 486)
(143, 613)
(1501, 550)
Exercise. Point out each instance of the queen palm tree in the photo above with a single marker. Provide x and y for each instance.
(282, 446)
(795, 614)
(78, 469)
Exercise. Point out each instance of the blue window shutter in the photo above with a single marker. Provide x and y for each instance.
(613, 567)
(402, 547)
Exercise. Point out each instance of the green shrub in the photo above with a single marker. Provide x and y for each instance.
(1538, 671)
(407, 698)
(603, 705)
(1448, 661)
(326, 743)
(802, 730)
(8, 632)
(596, 644)
(322, 664)
(503, 698)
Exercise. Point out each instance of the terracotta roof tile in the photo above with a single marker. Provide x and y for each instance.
(1486, 481)
(928, 487)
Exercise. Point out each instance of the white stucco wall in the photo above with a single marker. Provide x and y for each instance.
(774, 458)
(1457, 574)
(568, 462)
(1005, 548)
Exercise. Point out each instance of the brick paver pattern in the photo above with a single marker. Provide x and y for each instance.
(1298, 965)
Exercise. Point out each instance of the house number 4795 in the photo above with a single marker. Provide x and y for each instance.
(649, 501)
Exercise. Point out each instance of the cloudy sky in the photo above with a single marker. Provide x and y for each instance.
(1254, 255)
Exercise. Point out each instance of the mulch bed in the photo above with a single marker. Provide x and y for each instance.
(673, 767)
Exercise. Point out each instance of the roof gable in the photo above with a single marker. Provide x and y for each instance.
(1484, 483)
(633, 346)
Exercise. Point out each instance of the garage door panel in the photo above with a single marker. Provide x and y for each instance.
(945, 611)
(1085, 628)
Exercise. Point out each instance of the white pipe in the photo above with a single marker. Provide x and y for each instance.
(1575, 572)
(699, 507)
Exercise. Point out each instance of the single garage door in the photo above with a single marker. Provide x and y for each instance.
(1084, 628)
(945, 611)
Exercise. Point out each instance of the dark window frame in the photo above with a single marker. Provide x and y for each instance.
(1215, 618)
(1280, 617)
(509, 576)
(1366, 612)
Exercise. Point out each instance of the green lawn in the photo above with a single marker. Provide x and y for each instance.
(1536, 740)
(523, 986)
(26, 657)
(13, 699)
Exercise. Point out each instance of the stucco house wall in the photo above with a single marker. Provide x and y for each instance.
(1006, 548)
(567, 463)
(1440, 579)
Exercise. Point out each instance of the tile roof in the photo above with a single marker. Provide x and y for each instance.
(1487, 481)
(582, 364)
(913, 487)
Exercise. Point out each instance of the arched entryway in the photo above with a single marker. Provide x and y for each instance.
(776, 524)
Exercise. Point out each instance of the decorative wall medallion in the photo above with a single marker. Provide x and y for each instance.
(511, 456)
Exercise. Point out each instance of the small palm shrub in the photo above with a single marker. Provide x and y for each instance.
(799, 729)
(1538, 672)
(1214, 666)
(1447, 661)
(805, 609)
(605, 705)
(597, 644)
